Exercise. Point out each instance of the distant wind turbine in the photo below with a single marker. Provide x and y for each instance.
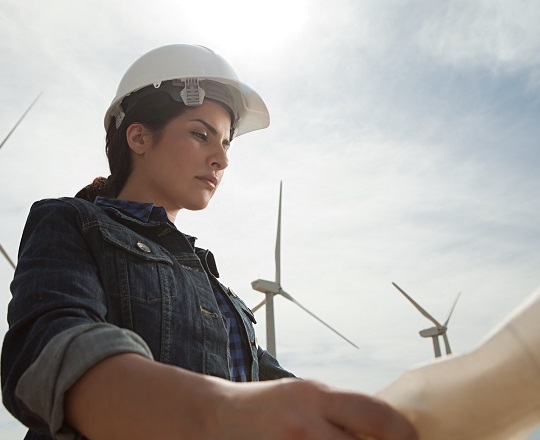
(2, 250)
(438, 330)
(4, 253)
(273, 288)
(19, 121)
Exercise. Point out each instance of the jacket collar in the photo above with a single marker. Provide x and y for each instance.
(147, 213)
(144, 212)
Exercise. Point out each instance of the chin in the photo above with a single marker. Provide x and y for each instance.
(197, 206)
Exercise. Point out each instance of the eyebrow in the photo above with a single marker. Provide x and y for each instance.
(207, 125)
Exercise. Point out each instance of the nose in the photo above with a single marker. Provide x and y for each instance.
(219, 159)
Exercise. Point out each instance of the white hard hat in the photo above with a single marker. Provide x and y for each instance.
(187, 65)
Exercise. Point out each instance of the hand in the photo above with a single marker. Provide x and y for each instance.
(300, 409)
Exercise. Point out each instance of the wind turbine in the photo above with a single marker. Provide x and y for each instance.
(19, 121)
(273, 288)
(433, 332)
(4, 253)
(2, 250)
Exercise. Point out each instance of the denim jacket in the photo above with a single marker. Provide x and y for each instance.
(93, 281)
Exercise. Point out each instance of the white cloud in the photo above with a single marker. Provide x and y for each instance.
(498, 35)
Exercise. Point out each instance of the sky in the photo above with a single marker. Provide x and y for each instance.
(405, 133)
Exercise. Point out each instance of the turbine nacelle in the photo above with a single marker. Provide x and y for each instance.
(432, 331)
(266, 286)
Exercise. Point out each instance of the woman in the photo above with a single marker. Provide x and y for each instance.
(119, 327)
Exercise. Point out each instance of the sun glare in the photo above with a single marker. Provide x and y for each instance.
(251, 24)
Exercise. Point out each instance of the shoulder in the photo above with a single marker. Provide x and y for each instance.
(65, 210)
(66, 204)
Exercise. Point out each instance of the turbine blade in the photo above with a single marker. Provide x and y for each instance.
(4, 253)
(420, 309)
(19, 121)
(258, 306)
(446, 343)
(290, 298)
(452, 310)
(278, 240)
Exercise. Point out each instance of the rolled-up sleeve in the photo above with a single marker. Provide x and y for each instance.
(63, 361)
(57, 318)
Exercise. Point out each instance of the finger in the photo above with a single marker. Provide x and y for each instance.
(366, 417)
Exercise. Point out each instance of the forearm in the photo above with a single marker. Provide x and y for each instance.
(128, 396)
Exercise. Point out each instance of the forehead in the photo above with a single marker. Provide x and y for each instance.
(210, 109)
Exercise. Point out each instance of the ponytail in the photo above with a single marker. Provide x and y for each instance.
(99, 187)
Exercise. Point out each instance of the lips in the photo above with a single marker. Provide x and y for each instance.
(210, 179)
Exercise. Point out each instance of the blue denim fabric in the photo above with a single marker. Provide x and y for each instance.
(80, 263)
(239, 351)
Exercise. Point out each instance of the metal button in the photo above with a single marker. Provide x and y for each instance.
(143, 247)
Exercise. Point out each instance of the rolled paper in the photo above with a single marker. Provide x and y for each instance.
(489, 393)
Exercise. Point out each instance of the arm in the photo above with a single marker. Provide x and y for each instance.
(57, 319)
(151, 400)
(126, 395)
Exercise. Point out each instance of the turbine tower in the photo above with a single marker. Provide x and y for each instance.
(2, 250)
(273, 288)
(433, 332)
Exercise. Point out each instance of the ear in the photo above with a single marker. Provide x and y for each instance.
(138, 138)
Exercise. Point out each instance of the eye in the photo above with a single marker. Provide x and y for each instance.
(202, 136)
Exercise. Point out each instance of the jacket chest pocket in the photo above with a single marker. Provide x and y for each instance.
(136, 267)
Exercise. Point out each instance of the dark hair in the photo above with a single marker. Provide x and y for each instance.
(154, 111)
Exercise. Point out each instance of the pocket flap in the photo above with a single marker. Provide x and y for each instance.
(136, 244)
